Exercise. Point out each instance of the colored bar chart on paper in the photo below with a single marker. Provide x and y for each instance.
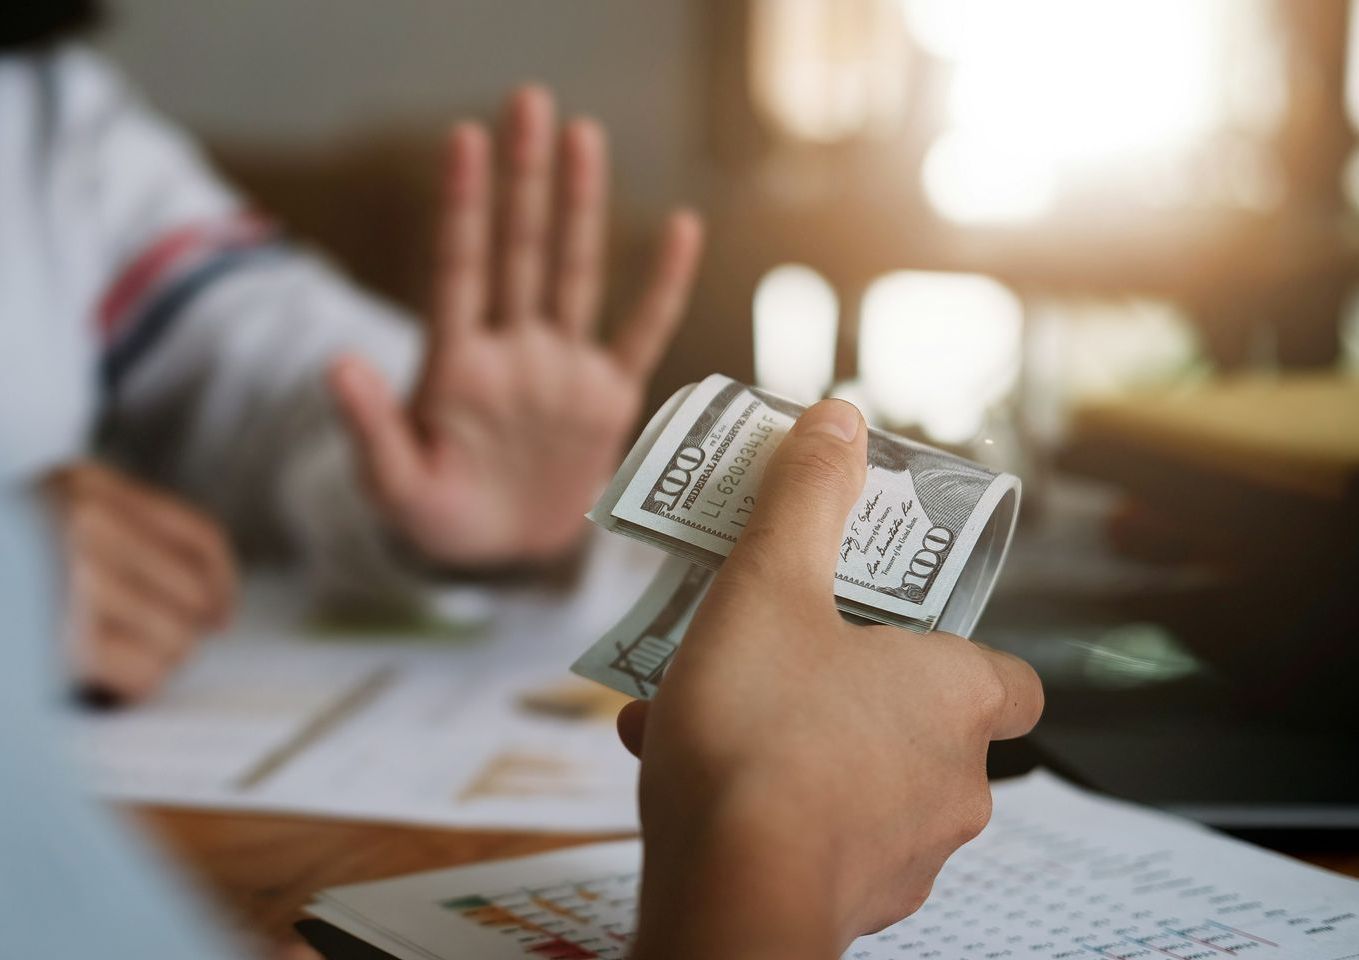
(1059, 874)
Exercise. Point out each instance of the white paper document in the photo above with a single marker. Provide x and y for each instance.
(1059, 874)
(487, 730)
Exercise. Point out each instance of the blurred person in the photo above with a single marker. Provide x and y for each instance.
(794, 794)
(146, 307)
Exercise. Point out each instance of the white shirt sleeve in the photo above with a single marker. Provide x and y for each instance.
(217, 338)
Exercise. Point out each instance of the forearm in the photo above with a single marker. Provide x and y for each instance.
(737, 886)
(230, 408)
(214, 336)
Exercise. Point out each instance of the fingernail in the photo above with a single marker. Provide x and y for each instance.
(835, 417)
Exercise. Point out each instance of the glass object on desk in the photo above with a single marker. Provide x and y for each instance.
(1164, 88)
(1137, 654)
(1085, 653)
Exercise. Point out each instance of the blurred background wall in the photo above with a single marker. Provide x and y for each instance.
(329, 112)
(310, 74)
(1084, 197)
(1191, 158)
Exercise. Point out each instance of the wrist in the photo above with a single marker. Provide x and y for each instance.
(742, 881)
(559, 570)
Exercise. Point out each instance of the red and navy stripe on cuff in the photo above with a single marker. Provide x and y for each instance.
(153, 290)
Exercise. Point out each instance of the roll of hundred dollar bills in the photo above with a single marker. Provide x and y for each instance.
(921, 549)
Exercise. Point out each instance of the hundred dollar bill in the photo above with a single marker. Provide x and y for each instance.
(633, 656)
(921, 549)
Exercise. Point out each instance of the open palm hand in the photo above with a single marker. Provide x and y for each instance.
(519, 414)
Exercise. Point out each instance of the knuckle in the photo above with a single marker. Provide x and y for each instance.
(898, 900)
(1031, 697)
(973, 816)
(915, 898)
(990, 693)
(1040, 699)
(981, 687)
(1031, 679)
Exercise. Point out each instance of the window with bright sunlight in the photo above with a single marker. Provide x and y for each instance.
(1164, 103)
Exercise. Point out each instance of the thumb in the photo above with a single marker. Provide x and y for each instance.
(384, 441)
(814, 478)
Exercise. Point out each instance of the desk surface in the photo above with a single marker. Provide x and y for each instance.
(264, 869)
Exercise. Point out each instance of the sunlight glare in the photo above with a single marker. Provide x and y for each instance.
(1044, 89)
(938, 350)
(796, 317)
(828, 70)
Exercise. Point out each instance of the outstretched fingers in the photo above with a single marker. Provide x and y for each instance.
(464, 238)
(642, 340)
(526, 154)
(584, 190)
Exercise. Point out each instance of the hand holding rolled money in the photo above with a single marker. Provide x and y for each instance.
(921, 550)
